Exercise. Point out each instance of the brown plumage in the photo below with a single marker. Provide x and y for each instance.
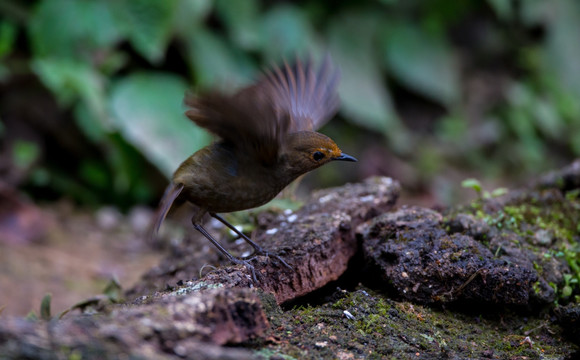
(267, 140)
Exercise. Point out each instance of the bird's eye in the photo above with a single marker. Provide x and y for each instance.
(318, 155)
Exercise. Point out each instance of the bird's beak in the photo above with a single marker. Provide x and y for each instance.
(345, 157)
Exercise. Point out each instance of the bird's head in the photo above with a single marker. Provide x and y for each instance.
(307, 150)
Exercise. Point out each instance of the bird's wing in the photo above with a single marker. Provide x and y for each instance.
(247, 120)
(307, 95)
(257, 118)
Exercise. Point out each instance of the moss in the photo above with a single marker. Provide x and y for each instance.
(272, 354)
(527, 216)
(384, 328)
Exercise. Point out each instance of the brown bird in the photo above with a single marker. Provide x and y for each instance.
(267, 140)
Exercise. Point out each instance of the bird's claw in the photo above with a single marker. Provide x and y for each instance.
(250, 267)
(261, 252)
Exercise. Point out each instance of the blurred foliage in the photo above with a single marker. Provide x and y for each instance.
(497, 81)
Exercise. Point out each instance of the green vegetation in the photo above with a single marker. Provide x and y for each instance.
(550, 229)
(112, 294)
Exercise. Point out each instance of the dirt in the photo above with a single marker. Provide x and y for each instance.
(78, 254)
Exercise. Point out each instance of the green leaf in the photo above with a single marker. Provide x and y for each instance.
(89, 123)
(566, 291)
(148, 24)
(72, 29)
(364, 95)
(561, 51)
(191, 13)
(7, 37)
(422, 61)
(534, 12)
(286, 32)
(148, 112)
(70, 81)
(128, 168)
(504, 9)
(241, 20)
(472, 184)
(548, 119)
(31, 316)
(94, 173)
(214, 62)
(499, 192)
(113, 291)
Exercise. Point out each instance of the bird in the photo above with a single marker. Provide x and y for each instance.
(266, 139)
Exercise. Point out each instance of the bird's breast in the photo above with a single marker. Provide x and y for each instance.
(220, 181)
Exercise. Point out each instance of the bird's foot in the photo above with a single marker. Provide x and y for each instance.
(246, 263)
(263, 252)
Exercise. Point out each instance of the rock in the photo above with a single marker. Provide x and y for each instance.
(569, 318)
(185, 323)
(416, 257)
(317, 241)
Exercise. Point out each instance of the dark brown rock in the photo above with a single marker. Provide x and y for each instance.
(422, 262)
(569, 318)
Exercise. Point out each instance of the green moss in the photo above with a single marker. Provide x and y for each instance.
(384, 328)
(272, 354)
(558, 217)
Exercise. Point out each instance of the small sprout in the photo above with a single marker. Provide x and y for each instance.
(537, 287)
(113, 291)
(476, 185)
(472, 184)
(499, 192)
(566, 291)
(31, 316)
(45, 307)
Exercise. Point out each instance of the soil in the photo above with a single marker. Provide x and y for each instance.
(75, 256)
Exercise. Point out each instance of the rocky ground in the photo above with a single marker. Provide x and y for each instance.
(497, 278)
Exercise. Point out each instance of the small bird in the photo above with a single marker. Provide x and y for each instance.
(266, 140)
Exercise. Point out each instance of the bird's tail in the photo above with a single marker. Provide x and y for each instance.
(169, 197)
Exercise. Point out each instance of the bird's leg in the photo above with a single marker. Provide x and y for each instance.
(229, 256)
(258, 250)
